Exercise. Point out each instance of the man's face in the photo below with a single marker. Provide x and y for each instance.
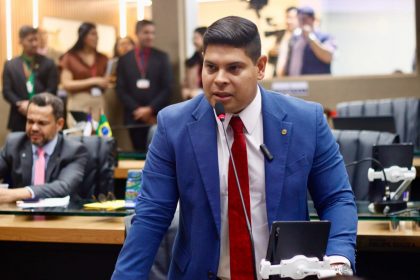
(230, 76)
(30, 44)
(292, 21)
(306, 20)
(146, 36)
(41, 125)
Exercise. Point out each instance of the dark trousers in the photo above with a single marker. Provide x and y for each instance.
(139, 138)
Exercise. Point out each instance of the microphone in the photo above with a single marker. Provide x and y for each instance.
(220, 113)
(268, 156)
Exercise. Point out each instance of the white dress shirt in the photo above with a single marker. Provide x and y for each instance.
(48, 149)
(252, 119)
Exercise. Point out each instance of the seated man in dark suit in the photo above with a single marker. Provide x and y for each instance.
(41, 163)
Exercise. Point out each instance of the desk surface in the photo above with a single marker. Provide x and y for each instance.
(91, 230)
(103, 230)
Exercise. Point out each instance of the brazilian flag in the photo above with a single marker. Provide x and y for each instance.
(104, 129)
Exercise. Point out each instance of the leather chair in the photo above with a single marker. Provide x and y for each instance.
(405, 110)
(356, 145)
(160, 267)
(99, 172)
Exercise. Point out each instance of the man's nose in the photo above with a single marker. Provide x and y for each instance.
(221, 78)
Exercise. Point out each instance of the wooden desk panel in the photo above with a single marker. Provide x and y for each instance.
(65, 229)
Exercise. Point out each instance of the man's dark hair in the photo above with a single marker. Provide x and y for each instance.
(236, 32)
(292, 8)
(26, 30)
(82, 32)
(46, 99)
(308, 11)
(201, 30)
(142, 23)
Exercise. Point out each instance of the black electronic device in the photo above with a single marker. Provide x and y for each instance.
(375, 123)
(291, 238)
(79, 116)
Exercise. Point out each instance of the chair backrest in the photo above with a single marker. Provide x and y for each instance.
(160, 267)
(356, 145)
(405, 110)
(99, 172)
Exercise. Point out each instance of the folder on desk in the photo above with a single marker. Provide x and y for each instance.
(106, 205)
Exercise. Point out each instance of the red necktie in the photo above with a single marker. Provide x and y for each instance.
(39, 178)
(241, 263)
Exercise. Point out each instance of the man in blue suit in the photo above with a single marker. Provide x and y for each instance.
(188, 163)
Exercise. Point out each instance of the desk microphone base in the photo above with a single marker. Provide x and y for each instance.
(297, 267)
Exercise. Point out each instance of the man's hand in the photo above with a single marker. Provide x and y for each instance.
(22, 106)
(306, 30)
(12, 195)
(144, 114)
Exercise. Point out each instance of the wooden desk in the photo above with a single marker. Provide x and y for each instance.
(64, 229)
(121, 171)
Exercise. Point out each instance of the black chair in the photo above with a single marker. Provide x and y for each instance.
(356, 145)
(160, 267)
(99, 172)
(405, 110)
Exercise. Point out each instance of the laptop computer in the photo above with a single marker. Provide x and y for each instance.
(291, 238)
(375, 123)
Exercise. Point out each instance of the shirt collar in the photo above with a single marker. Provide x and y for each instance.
(249, 115)
(48, 148)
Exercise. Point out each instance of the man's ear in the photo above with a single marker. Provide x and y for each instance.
(261, 63)
(60, 124)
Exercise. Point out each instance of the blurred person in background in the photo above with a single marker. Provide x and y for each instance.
(292, 24)
(45, 49)
(122, 46)
(193, 84)
(144, 80)
(26, 75)
(311, 52)
(83, 74)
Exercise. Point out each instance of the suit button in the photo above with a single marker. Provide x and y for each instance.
(210, 274)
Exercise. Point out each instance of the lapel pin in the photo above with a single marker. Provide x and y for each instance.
(283, 131)
(23, 155)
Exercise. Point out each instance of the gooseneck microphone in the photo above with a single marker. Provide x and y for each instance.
(220, 113)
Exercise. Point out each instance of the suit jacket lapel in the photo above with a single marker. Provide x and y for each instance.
(20, 72)
(26, 158)
(277, 135)
(54, 159)
(203, 134)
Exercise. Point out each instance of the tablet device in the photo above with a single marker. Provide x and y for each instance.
(291, 238)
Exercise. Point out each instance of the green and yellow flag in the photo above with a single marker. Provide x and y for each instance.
(104, 129)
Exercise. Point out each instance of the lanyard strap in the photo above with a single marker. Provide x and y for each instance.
(30, 82)
(142, 59)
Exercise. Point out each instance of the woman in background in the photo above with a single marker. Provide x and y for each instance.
(83, 74)
(193, 85)
(122, 46)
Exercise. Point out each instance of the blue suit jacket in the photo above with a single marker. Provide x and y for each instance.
(182, 165)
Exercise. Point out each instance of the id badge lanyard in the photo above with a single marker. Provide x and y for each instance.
(142, 59)
(30, 76)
